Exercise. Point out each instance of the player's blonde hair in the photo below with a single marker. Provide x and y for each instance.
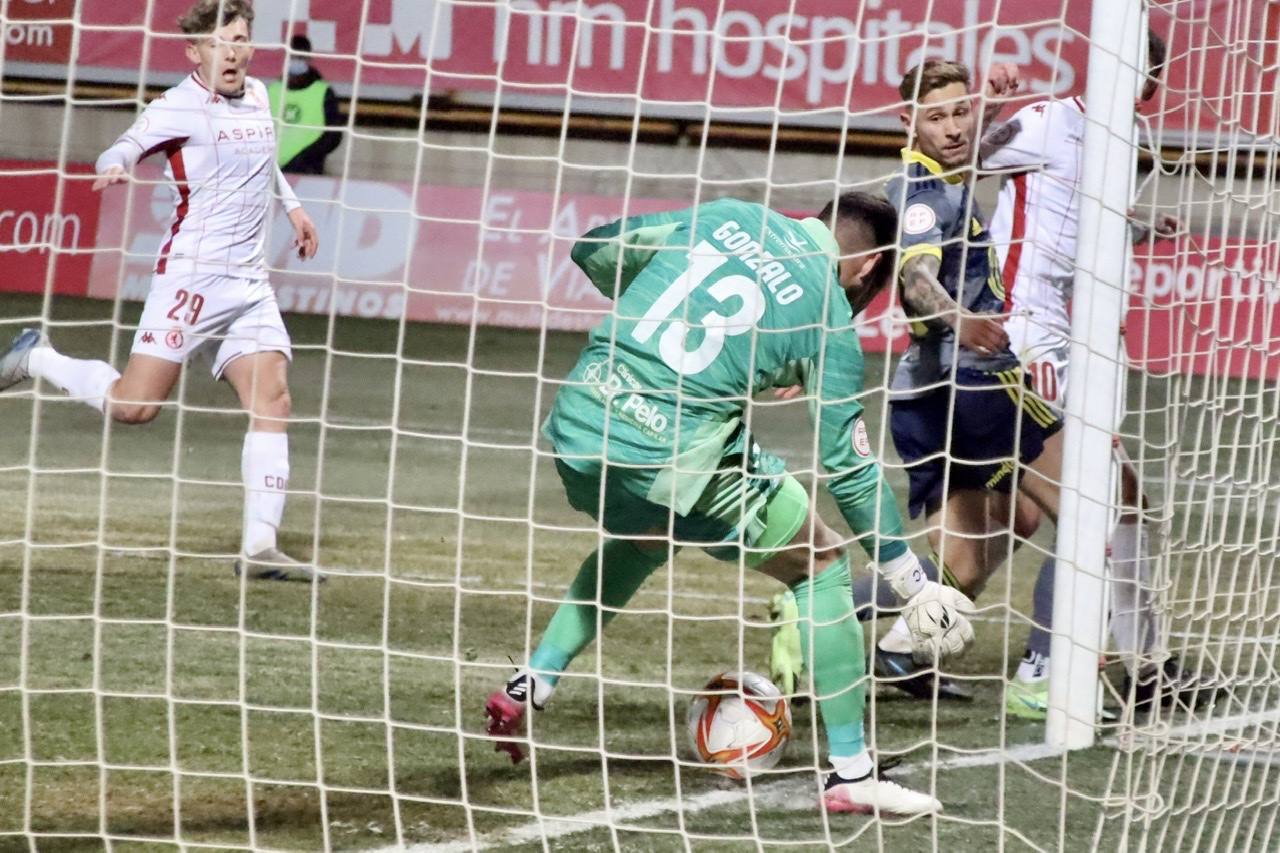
(932, 74)
(208, 15)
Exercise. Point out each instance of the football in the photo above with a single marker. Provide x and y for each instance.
(740, 723)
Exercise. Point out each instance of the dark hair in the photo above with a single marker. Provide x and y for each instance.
(208, 15)
(300, 43)
(932, 74)
(1157, 52)
(879, 217)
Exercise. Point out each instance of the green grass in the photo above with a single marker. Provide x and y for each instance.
(152, 696)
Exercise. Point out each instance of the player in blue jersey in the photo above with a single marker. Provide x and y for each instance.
(712, 305)
(963, 417)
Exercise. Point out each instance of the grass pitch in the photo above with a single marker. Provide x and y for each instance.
(149, 699)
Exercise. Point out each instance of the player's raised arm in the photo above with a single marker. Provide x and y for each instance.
(1002, 82)
(613, 255)
(1022, 142)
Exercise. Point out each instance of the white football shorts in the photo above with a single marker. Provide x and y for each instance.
(215, 316)
(1043, 347)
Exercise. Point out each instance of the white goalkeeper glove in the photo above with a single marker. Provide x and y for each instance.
(937, 615)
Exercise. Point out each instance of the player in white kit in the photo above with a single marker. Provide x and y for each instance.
(1039, 152)
(210, 292)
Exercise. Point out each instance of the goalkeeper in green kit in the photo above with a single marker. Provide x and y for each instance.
(712, 305)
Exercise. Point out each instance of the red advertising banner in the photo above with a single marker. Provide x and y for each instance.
(829, 62)
(440, 255)
(443, 254)
(1206, 307)
(35, 235)
(38, 30)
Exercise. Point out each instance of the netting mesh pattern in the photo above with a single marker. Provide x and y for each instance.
(148, 694)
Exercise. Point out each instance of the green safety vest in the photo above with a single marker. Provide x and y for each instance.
(300, 120)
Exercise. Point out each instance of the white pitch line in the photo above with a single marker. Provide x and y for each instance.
(795, 794)
(790, 793)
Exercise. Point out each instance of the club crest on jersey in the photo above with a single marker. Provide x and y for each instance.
(173, 340)
(918, 219)
(861, 441)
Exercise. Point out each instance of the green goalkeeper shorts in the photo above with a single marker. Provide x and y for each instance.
(750, 511)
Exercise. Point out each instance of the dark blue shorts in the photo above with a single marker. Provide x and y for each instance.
(993, 420)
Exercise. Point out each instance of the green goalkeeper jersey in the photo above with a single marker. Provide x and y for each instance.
(712, 305)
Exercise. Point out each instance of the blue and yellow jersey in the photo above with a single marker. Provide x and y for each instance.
(938, 216)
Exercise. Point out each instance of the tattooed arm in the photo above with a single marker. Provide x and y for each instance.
(926, 299)
(923, 296)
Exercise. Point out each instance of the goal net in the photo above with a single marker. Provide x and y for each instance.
(150, 696)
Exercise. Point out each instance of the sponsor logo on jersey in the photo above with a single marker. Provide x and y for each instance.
(620, 390)
(173, 340)
(861, 441)
(608, 385)
(148, 338)
(918, 219)
(799, 245)
(251, 133)
(645, 415)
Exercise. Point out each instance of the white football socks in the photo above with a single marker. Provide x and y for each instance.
(1133, 624)
(898, 638)
(83, 379)
(264, 466)
(853, 766)
(1033, 668)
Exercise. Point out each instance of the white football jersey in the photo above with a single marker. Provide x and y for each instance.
(221, 159)
(1037, 217)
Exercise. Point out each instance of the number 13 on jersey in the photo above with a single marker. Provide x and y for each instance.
(704, 260)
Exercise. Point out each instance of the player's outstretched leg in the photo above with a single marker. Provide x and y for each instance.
(609, 576)
(831, 642)
(260, 381)
(30, 356)
(14, 362)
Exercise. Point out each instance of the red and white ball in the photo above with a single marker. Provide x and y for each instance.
(740, 722)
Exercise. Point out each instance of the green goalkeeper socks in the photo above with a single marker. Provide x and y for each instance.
(623, 567)
(831, 642)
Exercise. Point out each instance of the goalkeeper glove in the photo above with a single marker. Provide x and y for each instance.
(786, 662)
(937, 615)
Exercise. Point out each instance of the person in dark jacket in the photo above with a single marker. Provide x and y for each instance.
(306, 111)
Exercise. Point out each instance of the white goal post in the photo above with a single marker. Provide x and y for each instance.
(1116, 53)
(150, 696)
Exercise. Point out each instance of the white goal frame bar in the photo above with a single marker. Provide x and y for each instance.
(1116, 52)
